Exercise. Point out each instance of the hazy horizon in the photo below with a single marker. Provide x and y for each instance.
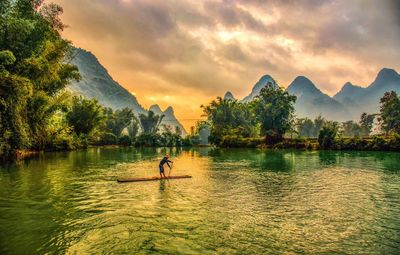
(185, 53)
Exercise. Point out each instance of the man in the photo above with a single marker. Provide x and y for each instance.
(165, 160)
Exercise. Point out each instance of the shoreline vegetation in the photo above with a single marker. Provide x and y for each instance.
(269, 122)
(373, 143)
(38, 114)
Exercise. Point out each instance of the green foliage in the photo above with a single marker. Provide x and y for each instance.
(297, 143)
(366, 123)
(190, 140)
(308, 128)
(107, 139)
(230, 117)
(7, 58)
(166, 139)
(149, 140)
(85, 116)
(375, 143)
(305, 127)
(170, 139)
(327, 135)
(150, 123)
(240, 142)
(14, 95)
(125, 140)
(32, 74)
(274, 110)
(133, 128)
(271, 114)
(390, 112)
(117, 121)
(351, 129)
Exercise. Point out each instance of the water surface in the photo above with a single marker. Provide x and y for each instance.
(238, 202)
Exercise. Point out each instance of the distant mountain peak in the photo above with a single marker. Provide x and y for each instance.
(358, 99)
(348, 84)
(229, 95)
(347, 92)
(170, 120)
(262, 82)
(387, 73)
(266, 77)
(348, 87)
(97, 83)
(302, 84)
(156, 109)
(169, 110)
(386, 77)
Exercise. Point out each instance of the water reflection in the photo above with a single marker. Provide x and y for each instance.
(239, 201)
(328, 158)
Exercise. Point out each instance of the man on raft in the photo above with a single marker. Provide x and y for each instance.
(164, 161)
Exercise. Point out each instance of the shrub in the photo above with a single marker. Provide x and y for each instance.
(240, 142)
(108, 139)
(125, 140)
(326, 137)
(296, 143)
(148, 140)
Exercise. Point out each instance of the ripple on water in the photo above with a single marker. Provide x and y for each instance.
(238, 202)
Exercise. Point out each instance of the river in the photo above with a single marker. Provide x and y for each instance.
(239, 201)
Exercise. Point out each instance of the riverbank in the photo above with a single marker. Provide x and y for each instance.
(28, 153)
(373, 143)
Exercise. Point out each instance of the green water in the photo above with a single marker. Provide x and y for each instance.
(238, 202)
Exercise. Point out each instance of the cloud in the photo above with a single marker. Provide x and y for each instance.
(200, 49)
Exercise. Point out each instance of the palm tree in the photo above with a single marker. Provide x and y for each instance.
(150, 123)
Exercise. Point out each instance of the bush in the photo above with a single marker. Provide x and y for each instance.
(326, 137)
(376, 143)
(190, 140)
(394, 142)
(149, 140)
(125, 140)
(64, 142)
(108, 139)
(296, 143)
(240, 142)
(169, 139)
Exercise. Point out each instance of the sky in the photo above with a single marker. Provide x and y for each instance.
(186, 53)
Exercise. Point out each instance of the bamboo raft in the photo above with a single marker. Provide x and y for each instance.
(155, 178)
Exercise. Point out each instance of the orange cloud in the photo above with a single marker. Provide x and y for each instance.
(185, 53)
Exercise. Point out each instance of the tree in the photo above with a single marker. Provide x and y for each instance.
(327, 135)
(305, 127)
(43, 119)
(133, 128)
(150, 123)
(230, 117)
(274, 109)
(390, 112)
(32, 70)
(169, 138)
(85, 116)
(319, 122)
(118, 120)
(350, 129)
(366, 123)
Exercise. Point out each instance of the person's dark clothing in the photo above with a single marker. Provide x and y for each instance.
(165, 160)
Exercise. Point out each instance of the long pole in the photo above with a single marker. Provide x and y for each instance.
(172, 165)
